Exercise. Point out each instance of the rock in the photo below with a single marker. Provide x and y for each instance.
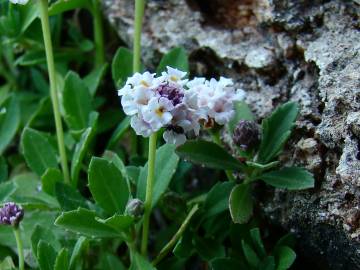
(280, 50)
(260, 58)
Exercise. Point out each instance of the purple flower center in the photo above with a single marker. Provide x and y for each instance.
(11, 214)
(176, 129)
(172, 93)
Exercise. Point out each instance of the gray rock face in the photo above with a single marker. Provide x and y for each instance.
(279, 50)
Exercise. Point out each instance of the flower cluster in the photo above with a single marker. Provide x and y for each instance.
(11, 214)
(180, 106)
(21, 2)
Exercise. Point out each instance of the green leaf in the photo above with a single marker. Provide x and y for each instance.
(285, 257)
(122, 66)
(228, 264)
(6, 189)
(276, 129)
(208, 249)
(7, 264)
(62, 260)
(257, 242)
(287, 240)
(165, 166)
(80, 151)
(108, 186)
(49, 180)
(140, 263)
(176, 58)
(93, 79)
(84, 221)
(76, 102)
(250, 255)
(116, 160)
(241, 203)
(3, 169)
(28, 194)
(9, 123)
(42, 233)
(184, 248)
(61, 6)
(267, 264)
(208, 154)
(217, 199)
(38, 152)
(79, 247)
(119, 132)
(29, 13)
(46, 256)
(68, 197)
(242, 112)
(111, 262)
(292, 178)
(118, 222)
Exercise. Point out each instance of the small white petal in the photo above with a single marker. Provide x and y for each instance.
(172, 137)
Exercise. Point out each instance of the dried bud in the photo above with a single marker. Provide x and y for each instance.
(246, 134)
(11, 214)
(135, 208)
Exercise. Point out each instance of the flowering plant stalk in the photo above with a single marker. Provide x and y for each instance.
(11, 215)
(44, 17)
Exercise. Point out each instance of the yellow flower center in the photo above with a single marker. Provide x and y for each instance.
(160, 111)
(144, 83)
(174, 78)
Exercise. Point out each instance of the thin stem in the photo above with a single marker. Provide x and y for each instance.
(176, 236)
(149, 192)
(216, 138)
(20, 248)
(44, 17)
(139, 14)
(98, 34)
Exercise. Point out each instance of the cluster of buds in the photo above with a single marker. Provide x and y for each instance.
(11, 214)
(246, 135)
(178, 105)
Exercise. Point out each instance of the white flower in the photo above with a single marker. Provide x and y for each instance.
(134, 100)
(21, 2)
(174, 76)
(173, 137)
(222, 111)
(157, 113)
(140, 126)
(146, 80)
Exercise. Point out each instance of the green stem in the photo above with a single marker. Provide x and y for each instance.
(149, 192)
(44, 17)
(216, 138)
(98, 34)
(20, 248)
(139, 14)
(176, 236)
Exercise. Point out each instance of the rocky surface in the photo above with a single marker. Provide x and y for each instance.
(280, 50)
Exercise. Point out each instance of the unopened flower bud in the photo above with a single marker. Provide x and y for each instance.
(173, 206)
(11, 214)
(135, 208)
(246, 134)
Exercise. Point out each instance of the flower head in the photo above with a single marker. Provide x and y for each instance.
(21, 2)
(11, 214)
(180, 106)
